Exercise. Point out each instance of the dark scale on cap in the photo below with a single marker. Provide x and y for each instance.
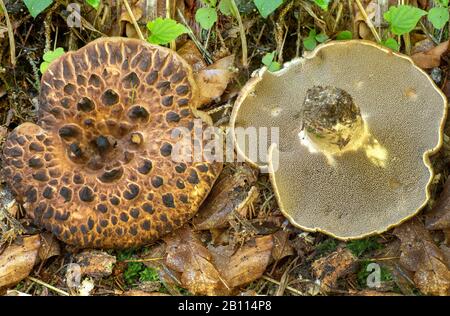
(148, 208)
(73, 229)
(132, 192)
(48, 192)
(134, 213)
(180, 168)
(183, 102)
(180, 184)
(104, 223)
(62, 216)
(133, 230)
(90, 223)
(172, 117)
(85, 105)
(14, 152)
(56, 230)
(83, 229)
(151, 78)
(138, 112)
(114, 220)
(40, 175)
(18, 163)
(66, 193)
(114, 200)
(131, 81)
(168, 200)
(166, 149)
(77, 179)
(193, 177)
(184, 198)
(102, 208)
(95, 80)
(31, 195)
(124, 217)
(145, 167)
(110, 97)
(157, 181)
(17, 178)
(163, 218)
(202, 168)
(48, 213)
(182, 90)
(35, 162)
(146, 225)
(119, 231)
(167, 100)
(185, 112)
(86, 194)
(69, 88)
(150, 196)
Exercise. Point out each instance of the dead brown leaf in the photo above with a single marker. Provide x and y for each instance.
(192, 55)
(49, 246)
(422, 256)
(281, 248)
(187, 255)
(18, 259)
(332, 267)
(247, 264)
(431, 58)
(439, 216)
(95, 263)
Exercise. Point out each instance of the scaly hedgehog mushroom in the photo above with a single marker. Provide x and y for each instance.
(97, 170)
(357, 123)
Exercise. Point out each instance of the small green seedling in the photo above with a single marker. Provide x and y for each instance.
(207, 16)
(266, 7)
(268, 61)
(313, 38)
(392, 44)
(37, 6)
(439, 15)
(49, 57)
(94, 3)
(344, 35)
(163, 31)
(326, 246)
(403, 18)
(323, 4)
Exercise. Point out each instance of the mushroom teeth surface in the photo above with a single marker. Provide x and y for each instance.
(97, 170)
(364, 190)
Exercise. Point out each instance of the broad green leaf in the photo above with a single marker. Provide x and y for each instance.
(37, 6)
(322, 37)
(225, 7)
(206, 17)
(443, 3)
(438, 16)
(49, 57)
(94, 3)
(310, 42)
(164, 31)
(272, 66)
(344, 35)
(392, 44)
(266, 7)
(403, 18)
(323, 4)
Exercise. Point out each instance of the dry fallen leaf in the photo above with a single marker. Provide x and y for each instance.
(422, 256)
(95, 263)
(187, 255)
(332, 267)
(282, 248)
(430, 58)
(18, 259)
(192, 55)
(49, 246)
(247, 264)
(439, 216)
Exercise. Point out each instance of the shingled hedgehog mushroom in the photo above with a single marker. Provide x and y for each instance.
(96, 170)
(357, 124)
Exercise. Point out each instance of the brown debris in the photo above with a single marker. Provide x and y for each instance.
(49, 246)
(18, 259)
(421, 256)
(431, 58)
(439, 216)
(95, 263)
(281, 248)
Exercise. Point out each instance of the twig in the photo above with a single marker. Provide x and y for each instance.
(236, 14)
(289, 288)
(51, 287)
(12, 43)
(133, 19)
(173, 44)
(368, 21)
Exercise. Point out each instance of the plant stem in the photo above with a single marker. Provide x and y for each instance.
(236, 14)
(12, 43)
(368, 21)
(133, 19)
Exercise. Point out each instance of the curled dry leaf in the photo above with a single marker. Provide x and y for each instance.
(422, 256)
(49, 246)
(247, 264)
(332, 267)
(187, 255)
(439, 216)
(18, 259)
(95, 263)
(282, 248)
(431, 58)
(192, 55)
(230, 194)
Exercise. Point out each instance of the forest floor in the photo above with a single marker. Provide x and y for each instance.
(249, 248)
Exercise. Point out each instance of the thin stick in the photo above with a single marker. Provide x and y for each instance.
(133, 19)
(287, 287)
(241, 32)
(369, 23)
(173, 44)
(12, 43)
(51, 287)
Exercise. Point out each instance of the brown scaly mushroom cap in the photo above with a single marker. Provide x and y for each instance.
(357, 125)
(97, 169)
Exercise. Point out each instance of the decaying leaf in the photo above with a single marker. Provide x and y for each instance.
(332, 267)
(439, 216)
(281, 248)
(422, 256)
(95, 263)
(192, 55)
(18, 259)
(49, 246)
(230, 194)
(247, 264)
(187, 255)
(431, 58)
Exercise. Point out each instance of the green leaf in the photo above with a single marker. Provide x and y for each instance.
(392, 44)
(344, 35)
(37, 6)
(404, 18)
(225, 7)
(272, 66)
(443, 3)
(49, 57)
(164, 31)
(206, 17)
(310, 42)
(266, 7)
(94, 3)
(322, 37)
(323, 4)
(438, 17)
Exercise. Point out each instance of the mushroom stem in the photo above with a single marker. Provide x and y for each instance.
(331, 120)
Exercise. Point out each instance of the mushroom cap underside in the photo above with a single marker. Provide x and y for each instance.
(97, 168)
(360, 192)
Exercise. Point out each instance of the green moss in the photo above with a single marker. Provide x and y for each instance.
(326, 246)
(359, 247)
